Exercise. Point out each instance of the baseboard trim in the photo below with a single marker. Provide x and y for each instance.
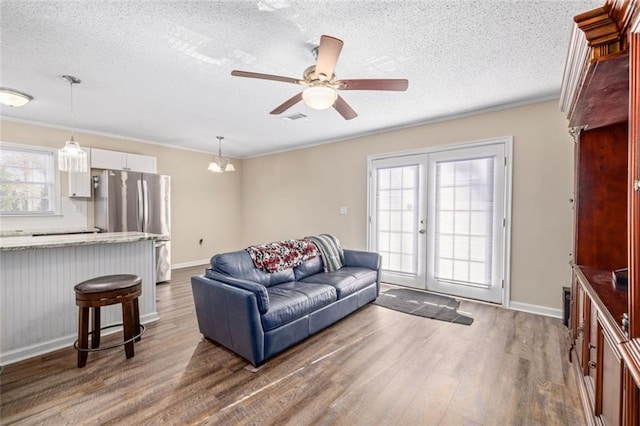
(190, 264)
(536, 309)
(23, 353)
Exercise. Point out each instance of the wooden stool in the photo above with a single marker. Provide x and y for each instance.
(104, 291)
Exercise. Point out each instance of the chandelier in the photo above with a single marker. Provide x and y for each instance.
(72, 158)
(220, 164)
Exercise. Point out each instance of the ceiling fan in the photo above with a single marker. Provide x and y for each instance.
(321, 82)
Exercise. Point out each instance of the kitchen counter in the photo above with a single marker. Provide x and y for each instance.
(51, 241)
(38, 313)
(47, 231)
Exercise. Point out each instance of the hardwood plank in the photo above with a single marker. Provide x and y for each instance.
(376, 366)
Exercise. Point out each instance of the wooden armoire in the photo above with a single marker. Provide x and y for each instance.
(601, 97)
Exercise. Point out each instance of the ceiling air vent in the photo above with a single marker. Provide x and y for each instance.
(293, 117)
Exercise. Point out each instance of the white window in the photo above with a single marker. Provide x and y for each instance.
(28, 183)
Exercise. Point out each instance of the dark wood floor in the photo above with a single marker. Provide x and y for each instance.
(376, 366)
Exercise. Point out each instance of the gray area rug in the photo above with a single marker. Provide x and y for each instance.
(422, 304)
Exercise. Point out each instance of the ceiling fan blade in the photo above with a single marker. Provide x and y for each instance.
(287, 104)
(344, 109)
(248, 74)
(328, 53)
(395, 84)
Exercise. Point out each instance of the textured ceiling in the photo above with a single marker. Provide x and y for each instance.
(159, 71)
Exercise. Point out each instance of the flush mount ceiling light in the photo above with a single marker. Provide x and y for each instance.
(13, 98)
(220, 164)
(319, 97)
(72, 158)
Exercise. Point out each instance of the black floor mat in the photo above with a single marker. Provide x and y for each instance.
(423, 304)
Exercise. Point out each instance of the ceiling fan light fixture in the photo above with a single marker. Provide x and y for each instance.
(321, 84)
(319, 97)
(13, 98)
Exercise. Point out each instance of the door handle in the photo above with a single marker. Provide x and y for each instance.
(145, 217)
(140, 205)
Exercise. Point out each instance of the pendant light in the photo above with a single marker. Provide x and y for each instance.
(220, 164)
(72, 158)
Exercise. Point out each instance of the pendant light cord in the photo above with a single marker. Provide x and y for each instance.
(71, 103)
(71, 80)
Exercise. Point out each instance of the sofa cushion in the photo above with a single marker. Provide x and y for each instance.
(346, 280)
(238, 264)
(292, 300)
(310, 267)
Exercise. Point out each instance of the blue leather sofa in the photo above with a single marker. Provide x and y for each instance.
(258, 314)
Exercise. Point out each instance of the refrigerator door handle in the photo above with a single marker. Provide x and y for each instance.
(141, 208)
(146, 206)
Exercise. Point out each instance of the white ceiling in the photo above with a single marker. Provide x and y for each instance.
(159, 71)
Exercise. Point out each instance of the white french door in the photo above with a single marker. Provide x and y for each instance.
(439, 220)
(466, 198)
(399, 218)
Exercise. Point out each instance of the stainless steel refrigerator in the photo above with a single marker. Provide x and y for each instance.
(132, 201)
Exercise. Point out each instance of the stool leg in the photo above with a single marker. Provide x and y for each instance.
(95, 336)
(83, 336)
(128, 323)
(136, 318)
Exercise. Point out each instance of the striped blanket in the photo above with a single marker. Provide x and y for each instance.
(330, 251)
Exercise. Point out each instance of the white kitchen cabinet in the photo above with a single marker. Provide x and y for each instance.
(110, 160)
(80, 183)
(116, 160)
(141, 163)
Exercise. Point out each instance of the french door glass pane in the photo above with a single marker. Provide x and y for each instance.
(397, 216)
(464, 221)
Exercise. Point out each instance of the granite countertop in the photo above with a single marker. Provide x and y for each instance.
(17, 243)
(49, 231)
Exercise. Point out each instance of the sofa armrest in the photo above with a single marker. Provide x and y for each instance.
(258, 289)
(365, 259)
(229, 315)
